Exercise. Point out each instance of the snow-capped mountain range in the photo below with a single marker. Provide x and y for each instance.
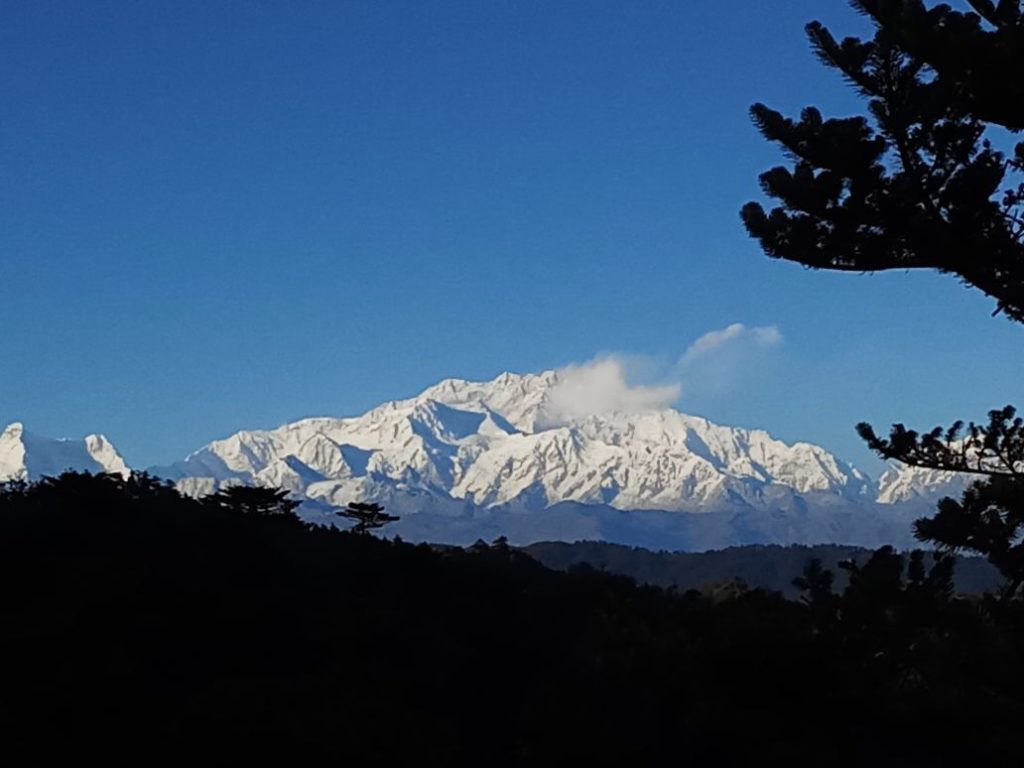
(26, 456)
(464, 459)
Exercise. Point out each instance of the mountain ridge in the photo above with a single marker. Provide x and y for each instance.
(486, 453)
(25, 455)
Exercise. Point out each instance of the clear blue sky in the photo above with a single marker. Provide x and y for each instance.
(226, 215)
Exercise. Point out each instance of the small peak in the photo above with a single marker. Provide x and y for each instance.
(443, 388)
(526, 381)
(452, 384)
(14, 430)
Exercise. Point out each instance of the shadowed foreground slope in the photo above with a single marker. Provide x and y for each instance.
(141, 625)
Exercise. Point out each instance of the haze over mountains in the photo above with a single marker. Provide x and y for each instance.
(465, 460)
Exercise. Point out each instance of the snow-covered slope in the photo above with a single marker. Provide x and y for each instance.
(27, 456)
(488, 443)
(900, 483)
(492, 444)
(466, 459)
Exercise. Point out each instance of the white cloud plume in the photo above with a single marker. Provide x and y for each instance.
(731, 336)
(600, 386)
(714, 363)
(721, 361)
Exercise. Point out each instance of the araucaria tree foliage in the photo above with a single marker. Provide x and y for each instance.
(989, 518)
(368, 516)
(918, 183)
(261, 502)
(923, 181)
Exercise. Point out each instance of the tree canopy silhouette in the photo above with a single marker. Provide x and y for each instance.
(252, 500)
(368, 516)
(134, 616)
(995, 449)
(917, 183)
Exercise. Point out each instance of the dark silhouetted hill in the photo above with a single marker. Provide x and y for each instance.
(141, 627)
(768, 567)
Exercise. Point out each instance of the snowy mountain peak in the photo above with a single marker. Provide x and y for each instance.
(27, 456)
(900, 483)
(103, 452)
(465, 459)
(518, 398)
(488, 444)
(13, 431)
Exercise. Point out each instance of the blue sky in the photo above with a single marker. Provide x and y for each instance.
(217, 216)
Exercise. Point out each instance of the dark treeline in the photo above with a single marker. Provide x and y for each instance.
(140, 625)
(768, 566)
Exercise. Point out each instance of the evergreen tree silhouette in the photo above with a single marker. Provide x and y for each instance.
(816, 584)
(257, 501)
(989, 518)
(135, 616)
(917, 183)
(368, 516)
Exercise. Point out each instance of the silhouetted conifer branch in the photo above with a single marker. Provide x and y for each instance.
(367, 516)
(915, 184)
(994, 449)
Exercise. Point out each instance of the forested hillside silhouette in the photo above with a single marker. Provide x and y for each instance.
(140, 624)
(768, 566)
